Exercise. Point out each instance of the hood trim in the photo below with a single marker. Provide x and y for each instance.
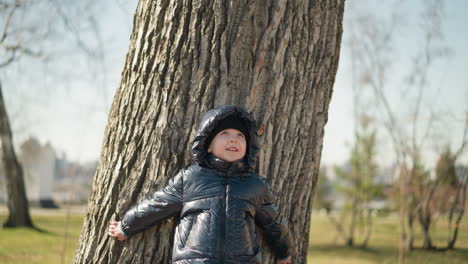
(208, 123)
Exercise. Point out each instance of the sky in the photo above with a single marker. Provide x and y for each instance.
(448, 80)
(64, 102)
(68, 107)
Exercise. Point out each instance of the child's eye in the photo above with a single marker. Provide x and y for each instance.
(240, 135)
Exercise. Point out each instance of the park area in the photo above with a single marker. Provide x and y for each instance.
(52, 244)
(354, 112)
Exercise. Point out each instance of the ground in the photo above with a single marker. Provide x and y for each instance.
(326, 247)
(58, 238)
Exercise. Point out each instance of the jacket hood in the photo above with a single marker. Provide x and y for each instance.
(208, 123)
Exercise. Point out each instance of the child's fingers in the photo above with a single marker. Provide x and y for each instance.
(114, 231)
(113, 225)
(118, 236)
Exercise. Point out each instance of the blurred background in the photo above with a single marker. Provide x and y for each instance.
(398, 117)
(58, 87)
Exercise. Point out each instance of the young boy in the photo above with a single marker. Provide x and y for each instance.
(219, 200)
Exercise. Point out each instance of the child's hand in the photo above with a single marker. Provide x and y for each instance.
(286, 261)
(114, 231)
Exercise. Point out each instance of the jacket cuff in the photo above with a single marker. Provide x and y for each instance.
(120, 229)
(282, 253)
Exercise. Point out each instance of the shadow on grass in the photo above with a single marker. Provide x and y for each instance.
(43, 231)
(334, 248)
(390, 254)
(33, 228)
(461, 252)
(457, 252)
(369, 253)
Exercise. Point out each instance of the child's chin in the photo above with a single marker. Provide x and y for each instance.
(229, 158)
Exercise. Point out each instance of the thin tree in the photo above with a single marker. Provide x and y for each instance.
(458, 201)
(457, 209)
(25, 33)
(408, 140)
(278, 59)
(357, 183)
(443, 195)
(18, 206)
(17, 203)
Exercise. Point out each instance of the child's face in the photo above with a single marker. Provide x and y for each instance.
(228, 145)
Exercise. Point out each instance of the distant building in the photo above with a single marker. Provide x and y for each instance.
(73, 180)
(51, 179)
(38, 169)
(3, 191)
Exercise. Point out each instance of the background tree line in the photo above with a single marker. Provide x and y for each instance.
(423, 188)
(281, 66)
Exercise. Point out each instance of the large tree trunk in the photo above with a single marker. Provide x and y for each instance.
(278, 59)
(18, 208)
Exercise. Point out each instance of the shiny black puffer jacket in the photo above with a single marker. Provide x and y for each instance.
(219, 204)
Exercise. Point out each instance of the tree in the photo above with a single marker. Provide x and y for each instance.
(443, 195)
(408, 132)
(276, 59)
(324, 196)
(18, 206)
(27, 33)
(457, 181)
(457, 208)
(358, 185)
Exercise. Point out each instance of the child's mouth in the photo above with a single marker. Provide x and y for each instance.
(232, 149)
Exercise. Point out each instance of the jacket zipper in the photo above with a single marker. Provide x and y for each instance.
(223, 222)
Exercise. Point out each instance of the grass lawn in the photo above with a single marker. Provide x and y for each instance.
(23, 245)
(326, 247)
(51, 246)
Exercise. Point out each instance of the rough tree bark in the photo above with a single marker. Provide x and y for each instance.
(278, 59)
(18, 207)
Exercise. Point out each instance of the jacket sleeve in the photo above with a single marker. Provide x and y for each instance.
(160, 205)
(273, 225)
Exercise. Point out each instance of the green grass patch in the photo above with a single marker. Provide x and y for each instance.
(325, 246)
(48, 245)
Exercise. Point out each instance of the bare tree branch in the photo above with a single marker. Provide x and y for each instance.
(72, 27)
(464, 140)
(8, 18)
(7, 62)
